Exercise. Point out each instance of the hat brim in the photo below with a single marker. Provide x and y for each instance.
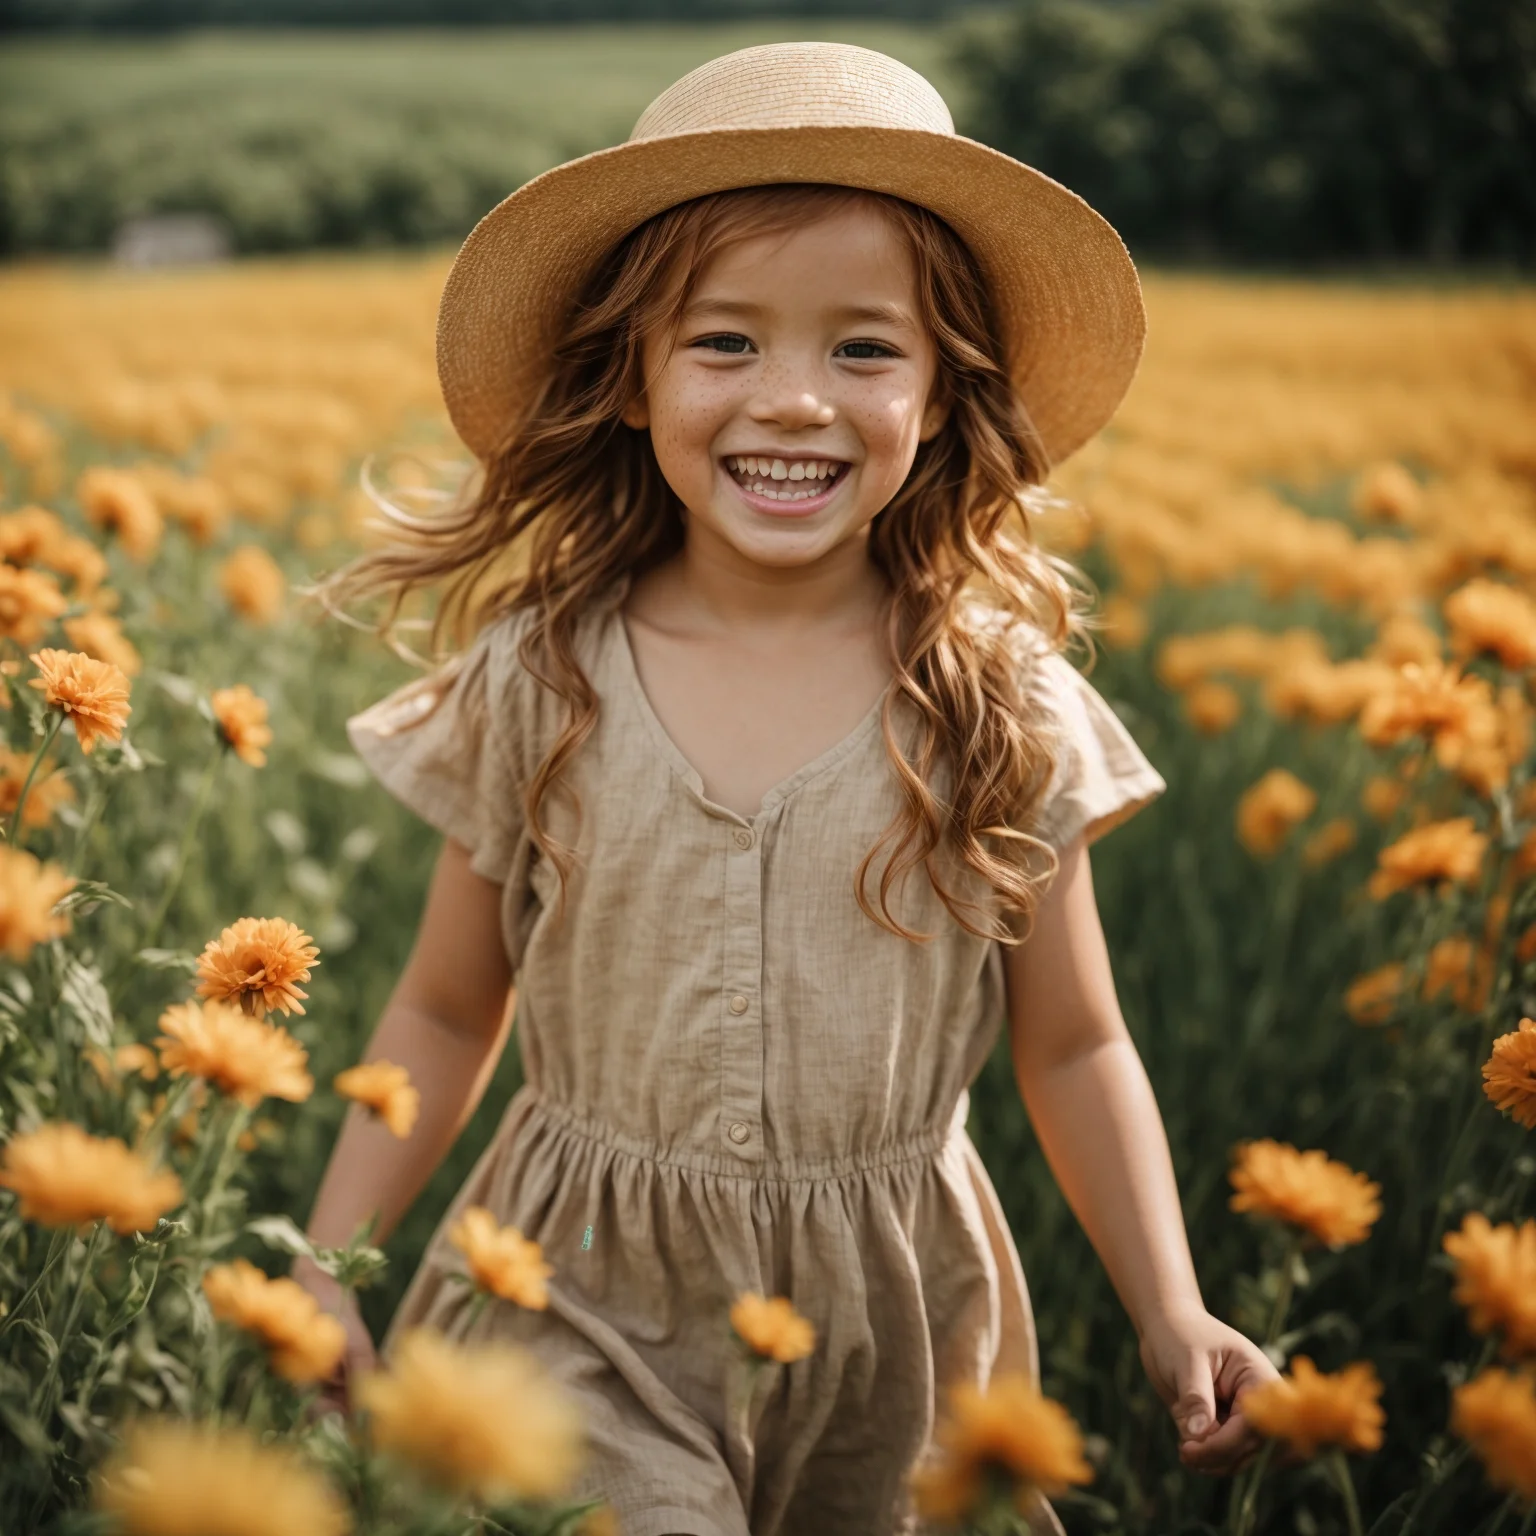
(1063, 285)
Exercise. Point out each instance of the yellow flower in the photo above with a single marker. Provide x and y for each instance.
(1213, 707)
(486, 1419)
(1270, 808)
(1438, 850)
(1489, 616)
(1370, 999)
(385, 1089)
(501, 1260)
(257, 961)
(1307, 1189)
(304, 1343)
(1328, 842)
(245, 1057)
(29, 602)
(1496, 1278)
(66, 1177)
(100, 635)
(1008, 1428)
(115, 499)
(242, 720)
(1509, 1074)
(772, 1327)
(1309, 1409)
(94, 694)
(29, 892)
(254, 584)
(1496, 1413)
(177, 1479)
(50, 789)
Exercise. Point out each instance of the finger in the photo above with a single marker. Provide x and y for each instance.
(1194, 1409)
(1221, 1447)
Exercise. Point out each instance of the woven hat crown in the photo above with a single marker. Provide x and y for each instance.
(797, 85)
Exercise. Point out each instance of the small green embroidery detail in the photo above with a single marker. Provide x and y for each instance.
(586, 1241)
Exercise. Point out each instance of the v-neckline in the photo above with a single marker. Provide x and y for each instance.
(690, 775)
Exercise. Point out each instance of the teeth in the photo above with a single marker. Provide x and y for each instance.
(797, 471)
(768, 477)
(778, 470)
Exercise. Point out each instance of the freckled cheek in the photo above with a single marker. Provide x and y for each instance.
(889, 429)
(684, 425)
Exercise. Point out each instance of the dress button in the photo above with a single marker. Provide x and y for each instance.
(743, 838)
(739, 1004)
(739, 1131)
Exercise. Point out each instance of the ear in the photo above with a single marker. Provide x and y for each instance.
(935, 414)
(637, 413)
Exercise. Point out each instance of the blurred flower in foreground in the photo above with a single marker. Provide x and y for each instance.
(1270, 808)
(384, 1088)
(1307, 1189)
(100, 635)
(254, 584)
(1370, 999)
(115, 499)
(242, 721)
(1490, 616)
(1495, 1413)
(771, 1327)
(1006, 1432)
(1509, 1074)
(257, 962)
(64, 1176)
(29, 602)
(501, 1260)
(1309, 1409)
(1496, 1278)
(29, 892)
(245, 1057)
(487, 1420)
(94, 694)
(177, 1479)
(1387, 493)
(304, 1344)
(50, 788)
(1439, 850)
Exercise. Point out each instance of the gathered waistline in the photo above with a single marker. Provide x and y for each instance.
(778, 1170)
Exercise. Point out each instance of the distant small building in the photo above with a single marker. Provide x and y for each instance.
(171, 240)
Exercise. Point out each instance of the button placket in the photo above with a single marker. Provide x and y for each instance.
(741, 1026)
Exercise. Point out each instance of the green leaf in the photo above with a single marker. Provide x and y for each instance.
(26, 1429)
(89, 894)
(86, 998)
(168, 959)
(281, 1233)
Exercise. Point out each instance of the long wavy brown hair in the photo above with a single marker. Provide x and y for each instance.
(572, 501)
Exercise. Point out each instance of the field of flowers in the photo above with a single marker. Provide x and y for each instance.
(1314, 525)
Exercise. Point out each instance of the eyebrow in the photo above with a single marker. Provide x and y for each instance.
(878, 314)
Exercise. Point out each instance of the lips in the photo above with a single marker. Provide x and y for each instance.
(785, 480)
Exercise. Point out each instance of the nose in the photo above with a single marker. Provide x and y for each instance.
(789, 398)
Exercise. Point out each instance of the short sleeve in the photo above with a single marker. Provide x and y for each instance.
(443, 746)
(1101, 776)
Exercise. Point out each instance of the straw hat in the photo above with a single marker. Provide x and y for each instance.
(1065, 291)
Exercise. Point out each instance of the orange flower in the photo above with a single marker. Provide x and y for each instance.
(1386, 493)
(1438, 850)
(1402, 639)
(1496, 1279)
(1489, 616)
(385, 1089)
(772, 1327)
(1434, 700)
(172, 1478)
(29, 534)
(1456, 964)
(1328, 842)
(244, 1057)
(257, 961)
(1006, 1428)
(93, 694)
(1525, 946)
(1307, 1189)
(254, 584)
(1496, 1413)
(29, 602)
(1309, 1409)
(1370, 999)
(49, 789)
(67, 1177)
(1509, 1074)
(501, 1260)
(486, 1419)
(1125, 621)
(1213, 707)
(100, 635)
(1383, 795)
(1270, 808)
(1325, 691)
(304, 1343)
(242, 721)
(115, 499)
(29, 892)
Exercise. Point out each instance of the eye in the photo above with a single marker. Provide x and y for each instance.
(865, 351)
(732, 343)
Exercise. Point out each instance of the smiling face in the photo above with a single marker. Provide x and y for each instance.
(787, 409)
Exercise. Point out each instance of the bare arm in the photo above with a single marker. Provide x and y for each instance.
(446, 1023)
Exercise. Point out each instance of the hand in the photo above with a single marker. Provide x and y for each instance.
(1199, 1366)
(360, 1354)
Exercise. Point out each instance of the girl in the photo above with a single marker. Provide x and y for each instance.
(766, 781)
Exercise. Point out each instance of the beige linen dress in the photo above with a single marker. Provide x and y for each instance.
(735, 1081)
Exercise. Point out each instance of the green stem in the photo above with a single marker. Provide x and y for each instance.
(1240, 1517)
(188, 839)
(1287, 1289)
(1340, 1470)
(57, 1247)
(55, 720)
(45, 1396)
